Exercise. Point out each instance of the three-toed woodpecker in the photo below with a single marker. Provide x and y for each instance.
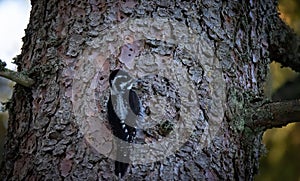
(123, 109)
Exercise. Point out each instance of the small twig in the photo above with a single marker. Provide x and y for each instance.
(15, 76)
(276, 114)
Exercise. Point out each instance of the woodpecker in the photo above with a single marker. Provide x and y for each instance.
(123, 110)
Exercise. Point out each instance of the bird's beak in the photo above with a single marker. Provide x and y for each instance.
(136, 84)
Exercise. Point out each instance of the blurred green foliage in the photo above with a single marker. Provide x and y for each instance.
(282, 161)
(290, 13)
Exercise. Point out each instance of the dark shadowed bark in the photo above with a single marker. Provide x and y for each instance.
(64, 39)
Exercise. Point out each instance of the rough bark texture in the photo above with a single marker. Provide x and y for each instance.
(44, 141)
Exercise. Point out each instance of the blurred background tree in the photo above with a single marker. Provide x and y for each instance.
(14, 17)
(5, 93)
(282, 161)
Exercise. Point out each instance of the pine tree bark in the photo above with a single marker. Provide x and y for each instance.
(45, 140)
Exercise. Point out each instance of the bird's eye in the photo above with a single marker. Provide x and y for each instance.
(121, 79)
(122, 82)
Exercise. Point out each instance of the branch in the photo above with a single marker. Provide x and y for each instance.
(284, 44)
(276, 114)
(15, 76)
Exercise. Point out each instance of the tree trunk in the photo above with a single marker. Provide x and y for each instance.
(206, 61)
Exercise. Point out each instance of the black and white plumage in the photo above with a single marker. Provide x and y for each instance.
(123, 110)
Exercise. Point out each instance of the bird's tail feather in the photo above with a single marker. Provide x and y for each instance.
(120, 168)
(122, 161)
